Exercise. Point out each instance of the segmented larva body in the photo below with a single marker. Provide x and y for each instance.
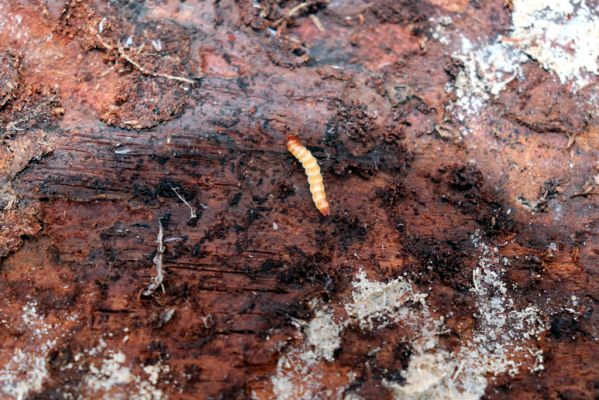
(313, 171)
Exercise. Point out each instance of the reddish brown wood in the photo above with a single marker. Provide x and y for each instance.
(93, 146)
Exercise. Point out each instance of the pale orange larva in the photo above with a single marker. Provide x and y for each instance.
(313, 171)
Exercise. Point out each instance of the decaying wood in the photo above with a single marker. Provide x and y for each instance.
(460, 257)
(123, 54)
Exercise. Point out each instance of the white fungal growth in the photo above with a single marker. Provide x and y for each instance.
(555, 33)
(296, 379)
(431, 376)
(322, 334)
(26, 371)
(503, 340)
(299, 374)
(378, 301)
(503, 330)
(113, 379)
(112, 372)
(439, 30)
(559, 35)
(487, 70)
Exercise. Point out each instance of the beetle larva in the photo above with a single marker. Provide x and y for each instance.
(312, 170)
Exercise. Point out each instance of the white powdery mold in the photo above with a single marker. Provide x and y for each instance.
(298, 373)
(295, 379)
(487, 70)
(115, 380)
(26, 371)
(431, 376)
(556, 33)
(440, 375)
(111, 373)
(503, 341)
(375, 305)
(323, 334)
(425, 373)
(560, 35)
(439, 31)
(381, 303)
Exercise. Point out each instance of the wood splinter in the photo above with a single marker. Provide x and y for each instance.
(159, 278)
(312, 171)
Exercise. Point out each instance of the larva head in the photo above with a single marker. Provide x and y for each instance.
(292, 138)
(326, 211)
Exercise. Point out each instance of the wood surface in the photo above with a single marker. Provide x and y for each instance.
(113, 113)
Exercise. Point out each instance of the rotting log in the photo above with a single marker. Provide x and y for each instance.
(460, 257)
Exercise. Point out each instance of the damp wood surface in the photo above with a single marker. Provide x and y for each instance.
(460, 154)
